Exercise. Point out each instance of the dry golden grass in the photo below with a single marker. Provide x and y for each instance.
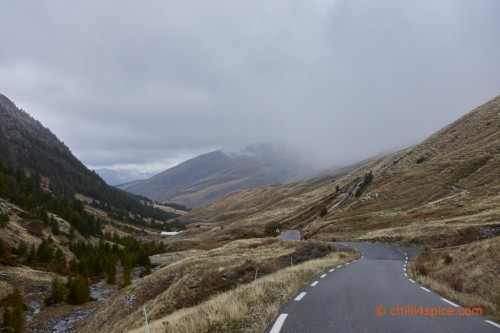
(420, 196)
(186, 279)
(250, 307)
(468, 274)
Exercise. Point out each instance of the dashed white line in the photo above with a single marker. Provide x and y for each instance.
(347, 263)
(331, 270)
(278, 323)
(406, 274)
(339, 266)
(301, 295)
(425, 289)
(492, 323)
(412, 281)
(314, 283)
(322, 276)
(449, 302)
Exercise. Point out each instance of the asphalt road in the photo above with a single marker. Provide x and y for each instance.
(346, 298)
(290, 235)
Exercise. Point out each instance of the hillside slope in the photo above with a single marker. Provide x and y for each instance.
(27, 145)
(210, 176)
(421, 195)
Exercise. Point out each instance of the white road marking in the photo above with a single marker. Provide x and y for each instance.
(347, 263)
(412, 281)
(492, 323)
(331, 270)
(405, 265)
(339, 266)
(301, 295)
(314, 283)
(361, 257)
(405, 253)
(406, 274)
(444, 299)
(404, 269)
(425, 289)
(278, 323)
(322, 276)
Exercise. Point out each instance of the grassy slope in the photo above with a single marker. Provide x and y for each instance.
(35, 281)
(186, 278)
(470, 277)
(250, 307)
(420, 196)
(443, 192)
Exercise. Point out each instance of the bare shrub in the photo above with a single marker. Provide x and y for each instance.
(454, 281)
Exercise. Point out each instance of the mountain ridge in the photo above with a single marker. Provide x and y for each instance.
(450, 175)
(27, 145)
(115, 177)
(209, 176)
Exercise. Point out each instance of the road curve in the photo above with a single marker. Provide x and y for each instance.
(290, 235)
(346, 299)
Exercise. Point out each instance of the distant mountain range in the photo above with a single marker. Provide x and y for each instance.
(118, 177)
(210, 176)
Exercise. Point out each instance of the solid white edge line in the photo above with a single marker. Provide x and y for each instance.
(322, 276)
(492, 323)
(278, 323)
(412, 281)
(301, 295)
(314, 283)
(425, 289)
(449, 302)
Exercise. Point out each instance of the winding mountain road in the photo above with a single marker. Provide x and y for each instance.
(371, 294)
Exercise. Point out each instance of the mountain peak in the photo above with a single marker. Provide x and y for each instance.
(212, 175)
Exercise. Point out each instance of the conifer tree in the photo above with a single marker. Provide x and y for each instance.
(58, 292)
(78, 291)
(14, 312)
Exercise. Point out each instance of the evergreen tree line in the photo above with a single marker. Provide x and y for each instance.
(26, 191)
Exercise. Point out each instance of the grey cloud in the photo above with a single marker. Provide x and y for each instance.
(128, 83)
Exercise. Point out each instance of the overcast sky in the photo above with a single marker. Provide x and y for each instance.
(147, 84)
